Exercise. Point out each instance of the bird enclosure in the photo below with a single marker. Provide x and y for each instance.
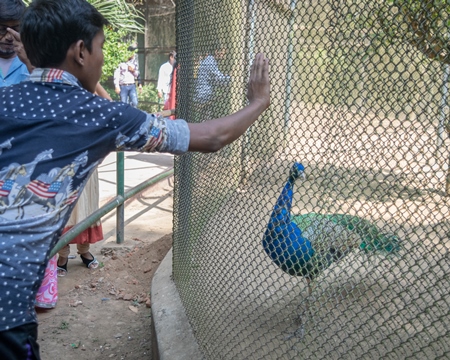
(351, 260)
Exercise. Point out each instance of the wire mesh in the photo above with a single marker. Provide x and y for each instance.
(358, 267)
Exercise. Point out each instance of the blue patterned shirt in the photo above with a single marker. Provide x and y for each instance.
(53, 134)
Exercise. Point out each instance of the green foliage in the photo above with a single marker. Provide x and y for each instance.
(115, 50)
(148, 99)
(64, 325)
(425, 24)
(120, 14)
(125, 21)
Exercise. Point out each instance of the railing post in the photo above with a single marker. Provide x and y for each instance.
(120, 212)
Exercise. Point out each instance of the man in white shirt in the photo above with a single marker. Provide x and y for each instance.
(164, 77)
(125, 78)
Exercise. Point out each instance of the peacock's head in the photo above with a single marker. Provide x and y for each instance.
(297, 171)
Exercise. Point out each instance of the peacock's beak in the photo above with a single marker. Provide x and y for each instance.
(302, 175)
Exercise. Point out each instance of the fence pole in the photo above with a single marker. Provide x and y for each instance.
(290, 62)
(251, 51)
(120, 212)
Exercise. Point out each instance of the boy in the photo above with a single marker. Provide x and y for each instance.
(55, 132)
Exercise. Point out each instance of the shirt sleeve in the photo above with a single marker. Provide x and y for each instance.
(160, 85)
(216, 73)
(178, 137)
(155, 134)
(137, 72)
(117, 77)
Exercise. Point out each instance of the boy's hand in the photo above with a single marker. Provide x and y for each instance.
(258, 89)
(19, 49)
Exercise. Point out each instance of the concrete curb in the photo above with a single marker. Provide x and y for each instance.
(172, 335)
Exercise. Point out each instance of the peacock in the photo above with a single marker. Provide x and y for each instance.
(305, 245)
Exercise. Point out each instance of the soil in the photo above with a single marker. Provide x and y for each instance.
(104, 313)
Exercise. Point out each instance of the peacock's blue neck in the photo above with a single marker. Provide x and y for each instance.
(284, 201)
(283, 240)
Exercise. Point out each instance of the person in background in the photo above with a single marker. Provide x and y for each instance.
(125, 77)
(14, 65)
(171, 101)
(209, 77)
(164, 77)
(134, 64)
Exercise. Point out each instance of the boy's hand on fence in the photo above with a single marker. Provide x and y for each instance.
(258, 89)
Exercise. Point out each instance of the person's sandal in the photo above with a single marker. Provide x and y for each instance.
(62, 269)
(90, 263)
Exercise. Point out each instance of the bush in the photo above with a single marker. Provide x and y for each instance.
(148, 99)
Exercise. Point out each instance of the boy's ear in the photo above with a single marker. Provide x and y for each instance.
(78, 52)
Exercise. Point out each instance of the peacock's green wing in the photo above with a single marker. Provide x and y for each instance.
(372, 238)
(331, 241)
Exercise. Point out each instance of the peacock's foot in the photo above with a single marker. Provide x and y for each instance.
(299, 319)
(299, 333)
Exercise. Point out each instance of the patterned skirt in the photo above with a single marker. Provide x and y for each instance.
(47, 295)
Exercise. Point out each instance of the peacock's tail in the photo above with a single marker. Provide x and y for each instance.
(283, 240)
(369, 237)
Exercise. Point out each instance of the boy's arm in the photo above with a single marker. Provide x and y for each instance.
(212, 135)
(217, 74)
(160, 84)
(100, 91)
(117, 79)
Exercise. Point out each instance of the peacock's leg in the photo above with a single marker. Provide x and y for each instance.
(304, 316)
(308, 282)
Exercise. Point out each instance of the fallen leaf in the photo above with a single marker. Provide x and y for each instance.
(133, 309)
(75, 303)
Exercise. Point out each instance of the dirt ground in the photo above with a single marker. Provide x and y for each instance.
(104, 313)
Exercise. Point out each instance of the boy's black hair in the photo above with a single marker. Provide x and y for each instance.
(50, 27)
(11, 10)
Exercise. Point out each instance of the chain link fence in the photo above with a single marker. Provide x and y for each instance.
(358, 267)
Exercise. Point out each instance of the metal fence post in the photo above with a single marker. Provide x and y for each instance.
(120, 212)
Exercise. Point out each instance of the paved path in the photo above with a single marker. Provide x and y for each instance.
(148, 215)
